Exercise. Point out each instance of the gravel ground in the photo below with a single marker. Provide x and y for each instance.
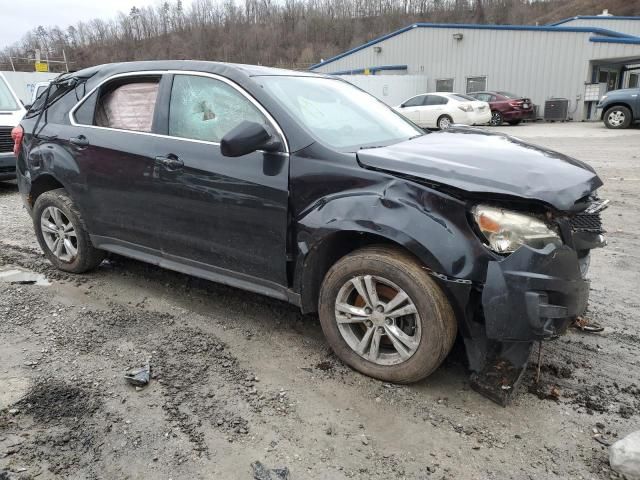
(238, 378)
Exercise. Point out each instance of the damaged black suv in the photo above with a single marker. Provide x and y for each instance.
(306, 189)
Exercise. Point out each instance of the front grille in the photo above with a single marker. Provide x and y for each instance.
(6, 142)
(587, 222)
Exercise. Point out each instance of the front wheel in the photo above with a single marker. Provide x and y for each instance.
(384, 316)
(617, 117)
(496, 119)
(62, 235)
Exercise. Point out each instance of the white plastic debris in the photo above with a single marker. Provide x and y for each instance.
(624, 456)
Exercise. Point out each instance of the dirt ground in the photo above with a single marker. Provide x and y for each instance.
(239, 378)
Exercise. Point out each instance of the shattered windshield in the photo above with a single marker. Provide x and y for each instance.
(339, 114)
(7, 100)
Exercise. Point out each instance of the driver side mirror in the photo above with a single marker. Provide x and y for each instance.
(248, 137)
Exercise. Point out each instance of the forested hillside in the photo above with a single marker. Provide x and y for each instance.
(290, 33)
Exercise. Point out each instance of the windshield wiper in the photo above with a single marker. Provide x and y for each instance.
(373, 146)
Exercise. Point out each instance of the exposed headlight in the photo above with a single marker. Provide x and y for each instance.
(506, 230)
(604, 97)
(465, 107)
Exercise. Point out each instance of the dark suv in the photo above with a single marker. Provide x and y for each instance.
(506, 107)
(306, 189)
(620, 108)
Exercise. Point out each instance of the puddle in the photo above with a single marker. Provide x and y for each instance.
(18, 276)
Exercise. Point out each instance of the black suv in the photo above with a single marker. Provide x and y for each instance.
(306, 189)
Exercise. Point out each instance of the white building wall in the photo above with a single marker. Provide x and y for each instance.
(391, 89)
(630, 27)
(536, 64)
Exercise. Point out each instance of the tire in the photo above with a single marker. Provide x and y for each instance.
(513, 123)
(432, 328)
(444, 122)
(496, 119)
(618, 117)
(57, 203)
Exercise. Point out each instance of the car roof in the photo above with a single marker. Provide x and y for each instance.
(225, 69)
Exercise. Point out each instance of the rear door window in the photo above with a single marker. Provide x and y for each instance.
(204, 108)
(128, 106)
(433, 100)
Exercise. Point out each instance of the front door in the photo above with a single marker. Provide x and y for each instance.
(221, 212)
(411, 109)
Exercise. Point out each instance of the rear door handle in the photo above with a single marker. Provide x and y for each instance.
(80, 141)
(170, 162)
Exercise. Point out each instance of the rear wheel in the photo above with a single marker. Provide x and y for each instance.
(384, 316)
(618, 117)
(62, 235)
(444, 122)
(496, 119)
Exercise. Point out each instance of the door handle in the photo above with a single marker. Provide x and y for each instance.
(80, 141)
(170, 162)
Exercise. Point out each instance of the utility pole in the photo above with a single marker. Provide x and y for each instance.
(66, 65)
(12, 65)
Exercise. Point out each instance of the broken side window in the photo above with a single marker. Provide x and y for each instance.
(204, 108)
(128, 107)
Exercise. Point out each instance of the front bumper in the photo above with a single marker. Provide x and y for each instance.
(533, 294)
(530, 295)
(7, 166)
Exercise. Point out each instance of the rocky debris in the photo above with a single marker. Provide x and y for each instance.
(624, 456)
(261, 472)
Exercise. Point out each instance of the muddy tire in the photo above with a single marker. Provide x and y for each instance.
(618, 117)
(371, 330)
(62, 234)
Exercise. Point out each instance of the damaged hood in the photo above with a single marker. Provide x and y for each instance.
(480, 162)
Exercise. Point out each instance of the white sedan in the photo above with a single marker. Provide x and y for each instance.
(441, 110)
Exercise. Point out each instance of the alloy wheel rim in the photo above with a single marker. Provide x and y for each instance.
(59, 234)
(378, 320)
(444, 123)
(616, 118)
(495, 119)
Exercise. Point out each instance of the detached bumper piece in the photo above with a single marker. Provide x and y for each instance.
(533, 294)
(529, 296)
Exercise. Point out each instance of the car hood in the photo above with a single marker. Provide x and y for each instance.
(482, 162)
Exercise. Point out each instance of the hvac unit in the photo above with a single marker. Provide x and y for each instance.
(556, 109)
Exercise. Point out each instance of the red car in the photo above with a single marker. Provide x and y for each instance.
(506, 107)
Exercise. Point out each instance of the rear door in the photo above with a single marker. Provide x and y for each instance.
(219, 213)
(112, 140)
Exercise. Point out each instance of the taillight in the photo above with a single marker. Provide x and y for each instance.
(17, 133)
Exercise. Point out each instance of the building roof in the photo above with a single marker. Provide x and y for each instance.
(592, 17)
(600, 34)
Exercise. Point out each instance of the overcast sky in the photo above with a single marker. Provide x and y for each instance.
(18, 17)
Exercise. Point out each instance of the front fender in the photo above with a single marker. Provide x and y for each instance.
(431, 225)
